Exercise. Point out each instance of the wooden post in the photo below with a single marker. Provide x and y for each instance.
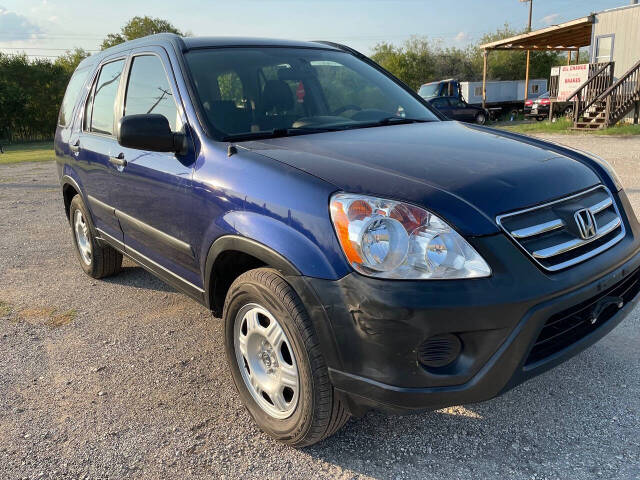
(484, 79)
(569, 57)
(526, 78)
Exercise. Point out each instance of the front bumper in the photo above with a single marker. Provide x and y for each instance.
(373, 328)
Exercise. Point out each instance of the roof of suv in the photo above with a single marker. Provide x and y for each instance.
(188, 43)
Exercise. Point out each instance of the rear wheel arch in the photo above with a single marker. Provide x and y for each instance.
(232, 255)
(70, 189)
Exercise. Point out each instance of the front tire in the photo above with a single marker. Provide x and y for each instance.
(96, 260)
(481, 118)
(276, 363)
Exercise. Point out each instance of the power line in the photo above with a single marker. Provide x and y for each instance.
(38, 48)
(37, 36)
(36, 56)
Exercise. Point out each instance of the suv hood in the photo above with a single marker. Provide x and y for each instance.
(447, 167)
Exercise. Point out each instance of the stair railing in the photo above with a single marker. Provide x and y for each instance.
(621, 96)
(585, 94)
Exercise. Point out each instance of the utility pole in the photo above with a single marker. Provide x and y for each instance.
(526, 79)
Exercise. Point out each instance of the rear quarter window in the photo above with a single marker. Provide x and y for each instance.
(71, 96)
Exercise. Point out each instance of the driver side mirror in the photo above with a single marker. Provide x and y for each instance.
(150, 132)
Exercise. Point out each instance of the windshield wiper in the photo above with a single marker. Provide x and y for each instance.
(395, 120)
(392, 120)
(276, 133)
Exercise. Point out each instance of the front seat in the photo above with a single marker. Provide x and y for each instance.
(277, 105)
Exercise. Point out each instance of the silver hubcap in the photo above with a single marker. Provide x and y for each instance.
(82, 236)
(265, 359)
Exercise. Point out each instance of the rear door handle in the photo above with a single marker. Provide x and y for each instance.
(75, 147)
(118, 161)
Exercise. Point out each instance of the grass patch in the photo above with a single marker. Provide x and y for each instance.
(563, 126)
(27, 152)
(5, 309)
(48, 316)
(61, 319)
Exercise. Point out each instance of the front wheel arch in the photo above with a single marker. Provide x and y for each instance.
(243, 254)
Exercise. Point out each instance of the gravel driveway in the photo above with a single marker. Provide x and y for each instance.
(127, 378)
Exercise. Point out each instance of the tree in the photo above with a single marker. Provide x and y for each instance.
(71, 58)
(420, 60)
(139, 27)
(30, 96)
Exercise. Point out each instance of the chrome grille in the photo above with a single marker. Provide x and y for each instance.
(552, 234)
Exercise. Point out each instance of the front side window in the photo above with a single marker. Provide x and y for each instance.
(440, 103)
(71, 96)
(252, 91)
(148, 90)
(100, 112)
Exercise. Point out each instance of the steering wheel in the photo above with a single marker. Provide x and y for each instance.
(343, 109)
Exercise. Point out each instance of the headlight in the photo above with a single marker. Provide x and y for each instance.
(390, 239)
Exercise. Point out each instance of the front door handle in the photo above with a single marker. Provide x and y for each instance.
(118, 161)
(75, 147)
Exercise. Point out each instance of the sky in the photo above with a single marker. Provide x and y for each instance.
(49, 27)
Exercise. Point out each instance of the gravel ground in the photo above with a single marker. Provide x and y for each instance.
(126, 378)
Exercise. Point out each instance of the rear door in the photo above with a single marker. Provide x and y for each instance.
(96, 145)
(153, 195)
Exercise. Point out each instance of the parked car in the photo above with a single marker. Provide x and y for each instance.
(457, 109)
(538, 108)
(361, 252)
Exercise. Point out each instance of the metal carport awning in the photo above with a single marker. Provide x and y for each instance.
(568, 36)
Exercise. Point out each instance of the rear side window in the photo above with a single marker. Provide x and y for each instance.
(71, 96)
(148, 90)
(100, 111)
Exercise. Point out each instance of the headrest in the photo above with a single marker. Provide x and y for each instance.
(277, 95)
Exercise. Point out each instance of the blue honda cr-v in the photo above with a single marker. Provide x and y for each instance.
(363, 252)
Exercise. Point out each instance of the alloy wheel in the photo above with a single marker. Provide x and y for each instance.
(266, 361)
(81, 230)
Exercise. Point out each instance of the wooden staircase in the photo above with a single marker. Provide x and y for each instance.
(611, 105)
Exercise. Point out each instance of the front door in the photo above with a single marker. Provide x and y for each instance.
(462, 111)
(153, 198)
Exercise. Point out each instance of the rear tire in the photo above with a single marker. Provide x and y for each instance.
(96, 260)
(481, 118)
(318, 412)
(540, 119)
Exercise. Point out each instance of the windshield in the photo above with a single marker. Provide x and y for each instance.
(429, 90)
(253, 92)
